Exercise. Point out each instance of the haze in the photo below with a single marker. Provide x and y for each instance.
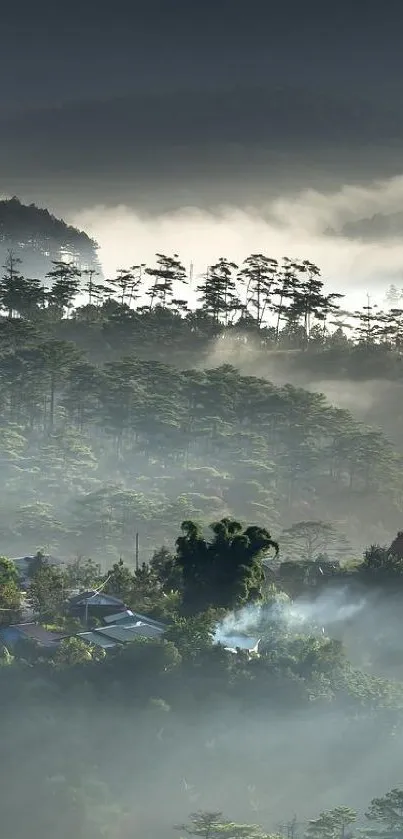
(222, 474)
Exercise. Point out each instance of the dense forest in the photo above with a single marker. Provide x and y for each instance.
(125, 408)
(38, 237)
(296, 737)
(131, 405)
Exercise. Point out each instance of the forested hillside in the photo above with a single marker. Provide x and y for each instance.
(38, 237)
(297, 736)
(124, 409)
(131, 405)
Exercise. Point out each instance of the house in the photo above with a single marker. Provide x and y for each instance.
(121, 632)
(130, 617)
(124, 633)
(94, 637)
(115, 632)
(94, 604)
(11, 635)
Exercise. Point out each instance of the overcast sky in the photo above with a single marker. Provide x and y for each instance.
(182, 92)
(163, 104)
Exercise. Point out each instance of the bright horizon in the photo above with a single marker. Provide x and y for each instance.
(293, 226)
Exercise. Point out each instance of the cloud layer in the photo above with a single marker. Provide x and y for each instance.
(294, 226)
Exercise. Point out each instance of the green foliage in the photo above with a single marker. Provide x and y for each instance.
(8, 571)
(193, 635)
(164, 565)
(83, 573)
(332, 824)
(214, 826)
(307, 540)
(119, 581)
(72, 651)
(119, 418)
(175, 444)
(226, 572)
(10, 594)
(386, 815)
(47, 591)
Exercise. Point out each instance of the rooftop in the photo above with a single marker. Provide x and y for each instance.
(95, 598)
(120, 633)
(128, 617)
(33, 632)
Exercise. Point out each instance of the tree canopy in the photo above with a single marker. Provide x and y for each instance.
(168, 452)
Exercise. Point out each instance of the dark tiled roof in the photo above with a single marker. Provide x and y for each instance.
(129, 617)
(37, 633)
(96, 639)
(120, 633)
(94, 598)
(129, 632)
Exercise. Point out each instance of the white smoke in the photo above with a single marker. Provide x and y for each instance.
(330, 608)
(303, 615)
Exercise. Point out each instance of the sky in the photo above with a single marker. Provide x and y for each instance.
(158, 109)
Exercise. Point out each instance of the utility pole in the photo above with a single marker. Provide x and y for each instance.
(137, 551)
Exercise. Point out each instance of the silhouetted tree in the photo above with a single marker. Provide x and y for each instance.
(225, 572)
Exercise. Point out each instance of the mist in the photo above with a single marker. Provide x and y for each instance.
(255, 762)
(260, 737)
(333, 607)
(297, 225)
(221, 484)
(262, 768)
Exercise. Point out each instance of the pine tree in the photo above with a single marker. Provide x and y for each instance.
(65, 279)
(218, 294)
(259, 273)
(168, 271)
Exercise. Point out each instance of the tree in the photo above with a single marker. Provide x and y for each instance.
(18, 295)
(218, 294)
(73, 651)
(83, 573)
(8, 571)
(213, 826)
(332, 824)
(47, 591)
(308, 301)
(309, 539)
(382, 563)
(127, 284)
(169, 270)
(386, 815)
(192, 635)
(285, 289)
(147, 594)
(166, 569)
(227, 571)
(120, 581)
(66, 284)
(10, 594)
(368, 327)
(393, 294)
(58, 357)
(38, 237)
(259, 273)
(396, 548)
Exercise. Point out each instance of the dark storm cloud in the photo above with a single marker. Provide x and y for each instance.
(141, 127)
(173, 91)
